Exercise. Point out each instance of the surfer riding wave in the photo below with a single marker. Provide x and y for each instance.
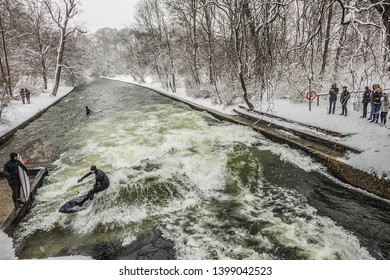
(101, 184)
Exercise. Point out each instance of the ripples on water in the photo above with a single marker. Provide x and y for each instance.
(219, 191)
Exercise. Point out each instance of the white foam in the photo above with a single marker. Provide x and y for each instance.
(310, 235)
(188, 158)
(295, 157)
(6, 247)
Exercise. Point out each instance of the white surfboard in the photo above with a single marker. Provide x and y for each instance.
(25, 182)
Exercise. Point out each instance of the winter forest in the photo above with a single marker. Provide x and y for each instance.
(225, 50)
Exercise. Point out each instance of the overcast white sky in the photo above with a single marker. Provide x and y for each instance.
(106, 13)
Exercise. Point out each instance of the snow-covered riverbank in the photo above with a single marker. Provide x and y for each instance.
(16, 112)
(373, 139)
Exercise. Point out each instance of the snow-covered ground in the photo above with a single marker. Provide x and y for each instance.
(373, 139)
(17, 112)
(6, 247)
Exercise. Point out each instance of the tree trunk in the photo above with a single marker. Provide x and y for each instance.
(255, 37)
(195, 42)
(387, 51)
(42, 56)
(384, 10)
(60, 58)
(44, 73)
(172, 62)
(3, 75)
(7, 76)
(239, 45)
(327, 40)
(209, 43)
(210, 49)
(339, 48)
(68, 13)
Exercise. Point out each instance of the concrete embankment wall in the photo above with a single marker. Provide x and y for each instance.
(340, 170)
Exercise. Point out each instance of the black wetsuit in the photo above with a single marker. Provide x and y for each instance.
(102, 183)
(11, 172)
(88, 111)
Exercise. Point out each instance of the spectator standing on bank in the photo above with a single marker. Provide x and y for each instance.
(334, 90)
(11, 172)
(23, 95)
(28, 94)
(344, 97)
(366, 100)
(371, 107)
(385, 108)
(376, 102)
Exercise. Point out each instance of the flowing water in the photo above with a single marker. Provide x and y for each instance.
(217, 190)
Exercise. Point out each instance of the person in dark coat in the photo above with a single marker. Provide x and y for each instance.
(344, 97)
(28, 95)
(88, 111)
(334, 90)
(365, 101)
(23, 95)
(102, 183)
(11, 173)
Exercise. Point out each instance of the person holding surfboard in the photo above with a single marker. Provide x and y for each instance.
(11, 171)
(102, 183)
(89, 111)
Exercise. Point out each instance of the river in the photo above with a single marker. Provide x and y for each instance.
(216, 189)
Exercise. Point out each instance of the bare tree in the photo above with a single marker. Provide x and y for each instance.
(135, 53)
(153, 20)
(62, 15)
(253, 46)
(5, 70)
(187, 13)
(374, 13)
(325, 53)
(232, 14)
(41, 37)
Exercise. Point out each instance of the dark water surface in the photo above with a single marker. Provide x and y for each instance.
(217, 190)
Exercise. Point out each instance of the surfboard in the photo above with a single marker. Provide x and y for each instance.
(25, 182)
(71, 207)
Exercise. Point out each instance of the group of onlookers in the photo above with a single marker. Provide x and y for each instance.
(379, 104)
(378, 99)
(344, 97)
(25, 95)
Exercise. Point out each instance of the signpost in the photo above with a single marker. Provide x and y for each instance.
(311, 95)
